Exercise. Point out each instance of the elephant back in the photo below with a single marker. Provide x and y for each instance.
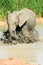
(24, 15)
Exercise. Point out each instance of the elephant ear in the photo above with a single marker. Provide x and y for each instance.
(23, 16)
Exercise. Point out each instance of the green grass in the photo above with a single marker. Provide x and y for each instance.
(11, 5)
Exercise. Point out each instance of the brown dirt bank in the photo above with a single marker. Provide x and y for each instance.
(13, 62)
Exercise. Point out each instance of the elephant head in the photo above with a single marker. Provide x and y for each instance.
(12, 21)
(19, 18)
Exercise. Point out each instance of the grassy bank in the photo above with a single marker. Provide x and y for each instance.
(11, 5)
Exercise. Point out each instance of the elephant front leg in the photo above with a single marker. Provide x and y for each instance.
(11, 33)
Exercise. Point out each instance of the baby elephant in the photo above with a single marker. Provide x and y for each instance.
(24, 19)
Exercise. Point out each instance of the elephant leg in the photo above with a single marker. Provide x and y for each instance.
(25, 30)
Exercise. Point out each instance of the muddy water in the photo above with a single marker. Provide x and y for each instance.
(32, 52)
